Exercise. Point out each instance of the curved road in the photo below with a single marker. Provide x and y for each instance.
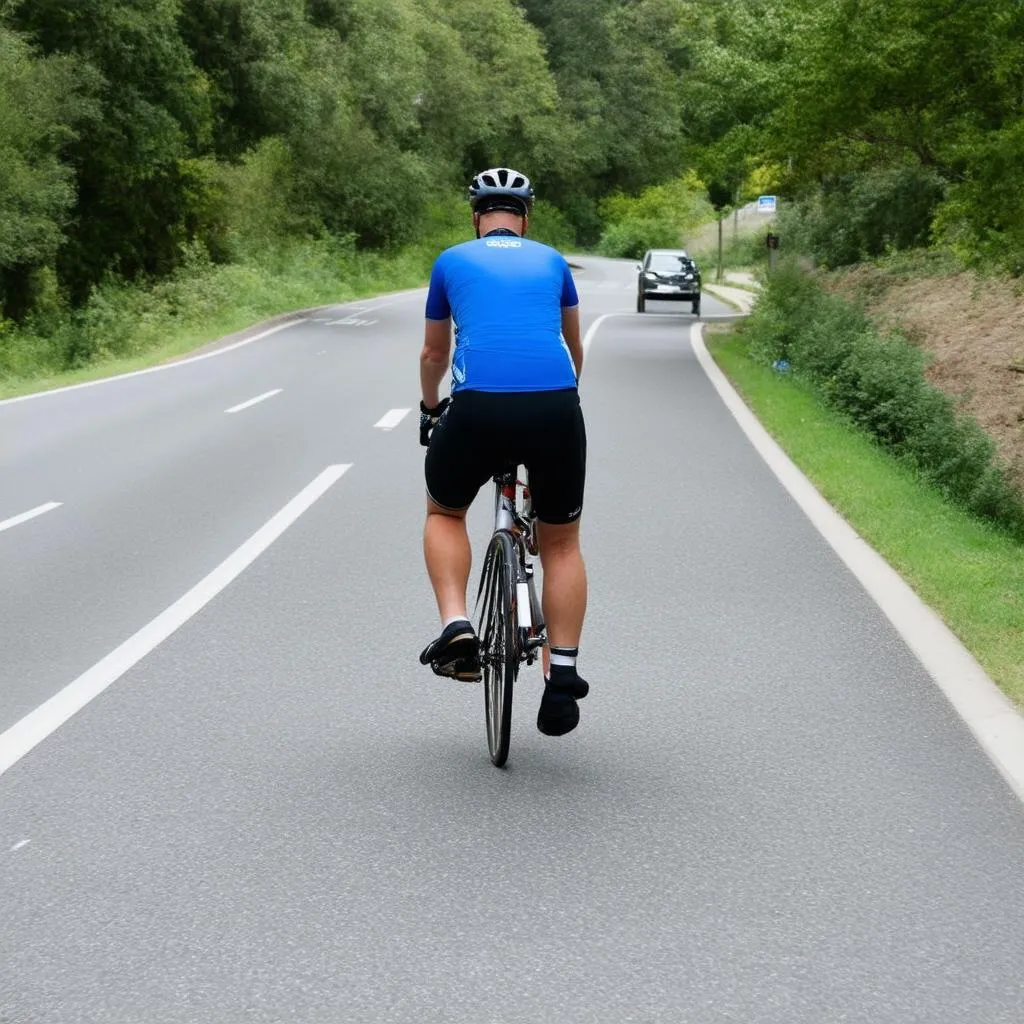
(265, 810)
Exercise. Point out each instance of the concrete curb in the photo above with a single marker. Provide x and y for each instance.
(993, 719)
(739, 299)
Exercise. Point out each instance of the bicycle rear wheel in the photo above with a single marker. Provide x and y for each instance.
(499, 656)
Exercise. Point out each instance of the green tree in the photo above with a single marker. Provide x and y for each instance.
(136, 188)
(40, 102)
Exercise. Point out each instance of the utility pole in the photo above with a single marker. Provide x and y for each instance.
(718, 276)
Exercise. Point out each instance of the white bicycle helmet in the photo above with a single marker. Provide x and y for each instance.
(501, 188)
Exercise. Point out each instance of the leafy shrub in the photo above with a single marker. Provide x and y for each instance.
(982, 219)
(549, 225)
(744, 250)
(656, 218)
(682, 202)
(865, 214)
(632, 238)
(878, 382)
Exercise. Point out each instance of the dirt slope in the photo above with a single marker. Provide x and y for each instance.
(973, 329)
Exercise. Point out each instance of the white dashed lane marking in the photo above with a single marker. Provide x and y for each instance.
(391, 419)
(254, 401)
(6, 524)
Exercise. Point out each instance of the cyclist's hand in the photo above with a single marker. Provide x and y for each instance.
(429, 418)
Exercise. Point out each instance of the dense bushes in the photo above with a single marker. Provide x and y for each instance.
(898, 122)
(130, 130)
(267, 273)
(878, 382)
(199, 300)
(656, 218)
(856, 216)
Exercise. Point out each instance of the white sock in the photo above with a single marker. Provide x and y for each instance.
(564, 657)
(457, 618)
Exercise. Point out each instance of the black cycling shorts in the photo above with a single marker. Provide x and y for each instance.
(485, 432)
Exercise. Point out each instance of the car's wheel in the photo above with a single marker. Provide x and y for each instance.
(696, 307)
(641, 303)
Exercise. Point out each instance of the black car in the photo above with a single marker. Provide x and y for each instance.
(668, 274)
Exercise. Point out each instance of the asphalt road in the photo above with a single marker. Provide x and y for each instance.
(768, 815)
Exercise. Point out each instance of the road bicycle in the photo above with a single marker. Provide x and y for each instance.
(510, 623)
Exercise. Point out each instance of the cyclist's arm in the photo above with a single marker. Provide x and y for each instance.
(434, 359)
(437, 337)
(571, 319)
(571, 333)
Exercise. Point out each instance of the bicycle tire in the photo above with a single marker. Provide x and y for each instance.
(499, 654)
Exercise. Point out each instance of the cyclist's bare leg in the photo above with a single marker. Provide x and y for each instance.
(448, 555)
(565, 604)
(565, 583)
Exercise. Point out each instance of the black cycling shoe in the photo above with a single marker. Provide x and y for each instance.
(559, 713)
(455, 654)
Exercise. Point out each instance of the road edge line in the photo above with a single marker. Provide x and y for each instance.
(990, 715)
(29, 731)
(149, 369)
(296, 317)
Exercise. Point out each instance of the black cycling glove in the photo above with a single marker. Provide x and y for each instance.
(429, 418)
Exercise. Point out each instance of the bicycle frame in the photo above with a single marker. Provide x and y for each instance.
(521, 526)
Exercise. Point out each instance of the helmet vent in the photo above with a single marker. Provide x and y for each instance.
(500, 182)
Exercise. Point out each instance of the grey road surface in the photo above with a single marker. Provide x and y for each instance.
(768, 815)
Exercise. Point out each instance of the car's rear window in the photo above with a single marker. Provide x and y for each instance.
(667, 264)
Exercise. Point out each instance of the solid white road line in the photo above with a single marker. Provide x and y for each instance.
(588, 338)
(30, 514)
(987, 711)
(254, 401)
(391, 419)
(21, 737)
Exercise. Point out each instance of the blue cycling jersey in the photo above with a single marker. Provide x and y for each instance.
(505, 295)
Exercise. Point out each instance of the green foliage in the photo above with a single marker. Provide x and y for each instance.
(740, 251)
(40, 103)
(656, 218)
(132, 132)
(632, 238)
(620, 74)
(892, 120)
(878, 382)
(549, 225)
(983, 217)
(201, 300)
(133, 211)
(253, 123)
(862, 215)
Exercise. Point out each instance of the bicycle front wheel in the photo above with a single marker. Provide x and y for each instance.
(499, 657)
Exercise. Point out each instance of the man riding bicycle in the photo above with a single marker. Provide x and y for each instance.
(518, 357)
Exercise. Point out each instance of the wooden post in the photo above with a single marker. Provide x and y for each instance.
(719, 277)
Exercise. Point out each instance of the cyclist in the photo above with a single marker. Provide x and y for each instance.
(514, 401)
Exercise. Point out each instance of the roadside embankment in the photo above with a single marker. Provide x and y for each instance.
(971, 329)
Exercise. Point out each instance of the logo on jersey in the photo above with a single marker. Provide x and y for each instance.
(504, 243)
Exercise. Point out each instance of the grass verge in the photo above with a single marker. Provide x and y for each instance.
(129, 327)
(971, 574)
